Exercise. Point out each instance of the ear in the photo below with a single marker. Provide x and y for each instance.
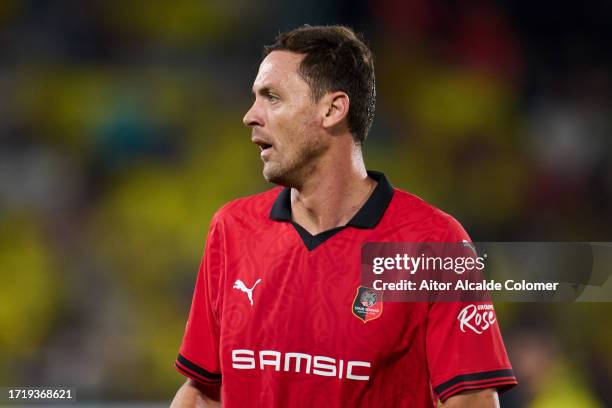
(336, 108)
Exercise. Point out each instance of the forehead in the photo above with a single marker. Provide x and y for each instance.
(279, 68)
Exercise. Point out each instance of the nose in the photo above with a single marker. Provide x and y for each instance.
(253, 116)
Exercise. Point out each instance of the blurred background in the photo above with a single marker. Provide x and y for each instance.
(121, 134)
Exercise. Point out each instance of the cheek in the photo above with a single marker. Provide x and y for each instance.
(281, 118)
(287, 123)
(306, 122)
(294, 127)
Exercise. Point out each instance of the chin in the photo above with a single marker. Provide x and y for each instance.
(277, 176)
(270, 174)
(274, 178)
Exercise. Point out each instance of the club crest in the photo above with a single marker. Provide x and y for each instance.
(368, 304)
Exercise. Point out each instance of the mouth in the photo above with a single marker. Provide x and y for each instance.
(263, 145)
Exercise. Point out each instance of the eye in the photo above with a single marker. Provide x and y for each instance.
(272, 98)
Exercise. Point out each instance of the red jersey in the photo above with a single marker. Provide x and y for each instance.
(273, 320)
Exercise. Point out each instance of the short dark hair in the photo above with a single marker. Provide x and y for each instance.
(336, 59)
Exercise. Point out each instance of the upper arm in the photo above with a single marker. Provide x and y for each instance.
(193, 394)
(486, 398)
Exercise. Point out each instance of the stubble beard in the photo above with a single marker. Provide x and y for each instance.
(293, 169)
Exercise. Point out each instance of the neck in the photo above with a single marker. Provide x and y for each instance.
(334, 191)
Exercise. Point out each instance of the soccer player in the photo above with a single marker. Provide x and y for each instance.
(272, 321)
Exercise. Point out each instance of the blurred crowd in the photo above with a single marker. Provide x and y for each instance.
(121, 134)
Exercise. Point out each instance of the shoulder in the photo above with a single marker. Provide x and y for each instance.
(411, 212)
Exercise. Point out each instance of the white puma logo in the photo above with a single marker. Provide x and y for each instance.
(241, 286)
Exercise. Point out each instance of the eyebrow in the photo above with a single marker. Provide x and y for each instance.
(264, 90)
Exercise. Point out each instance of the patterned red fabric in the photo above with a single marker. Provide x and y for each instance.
(299, 342)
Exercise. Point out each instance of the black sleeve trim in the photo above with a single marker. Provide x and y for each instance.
(194, 376)
(483, 378)
(188, 367)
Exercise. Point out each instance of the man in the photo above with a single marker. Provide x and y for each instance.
(272, 314)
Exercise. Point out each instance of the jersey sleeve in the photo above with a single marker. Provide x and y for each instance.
(198, 356)
(465, 350)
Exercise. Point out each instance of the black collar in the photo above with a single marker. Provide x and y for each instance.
(367, 217)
